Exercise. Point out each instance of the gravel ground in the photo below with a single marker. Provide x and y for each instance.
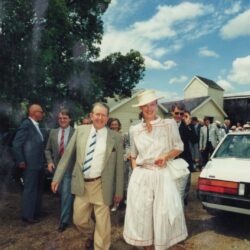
(206, 232)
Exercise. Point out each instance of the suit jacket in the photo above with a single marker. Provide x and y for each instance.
(28, 146)
(196, 133)
(213, 136)
(186, 134)
(112, 175)
(52, 147)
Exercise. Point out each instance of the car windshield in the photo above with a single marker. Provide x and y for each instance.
(237, 146)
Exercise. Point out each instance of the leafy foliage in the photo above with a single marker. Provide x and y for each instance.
(52, 58)
(15, 50)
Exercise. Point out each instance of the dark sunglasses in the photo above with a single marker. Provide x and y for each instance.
(179, 113)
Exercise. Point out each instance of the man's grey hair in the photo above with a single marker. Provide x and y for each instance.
(100, 104)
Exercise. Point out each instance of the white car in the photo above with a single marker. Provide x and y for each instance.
(224, 183)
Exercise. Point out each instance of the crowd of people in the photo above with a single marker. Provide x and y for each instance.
(95, 167)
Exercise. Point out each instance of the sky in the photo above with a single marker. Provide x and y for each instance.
(181, 39)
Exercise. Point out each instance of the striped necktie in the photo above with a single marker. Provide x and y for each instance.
(90, 153)
(61, 147)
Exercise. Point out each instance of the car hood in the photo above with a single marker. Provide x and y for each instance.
(230, 169)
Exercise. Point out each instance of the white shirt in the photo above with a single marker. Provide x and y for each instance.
(36, 124)
(97, 164)
(164, 137)
(66, 136)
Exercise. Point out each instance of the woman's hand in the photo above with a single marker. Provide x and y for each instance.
(161, 160)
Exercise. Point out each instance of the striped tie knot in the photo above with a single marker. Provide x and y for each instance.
(90, 153)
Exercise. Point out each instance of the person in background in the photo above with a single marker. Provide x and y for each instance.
(194, 143)
(28, 150)
(86, 120)
(246, 127)
(233, 129)
(56, 145)
(209, 137)
(115, 124)
(226, 125)
(154, 214)
(238, 125)
(187, 134)
(96, 154)
(239, 128)
(221, 131)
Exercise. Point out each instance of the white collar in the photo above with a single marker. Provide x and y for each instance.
(153, 121)
(33, 121)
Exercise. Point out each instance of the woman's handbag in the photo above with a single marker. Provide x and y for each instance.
(178, 168)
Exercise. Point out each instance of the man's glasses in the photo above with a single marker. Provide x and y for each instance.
(179, 113)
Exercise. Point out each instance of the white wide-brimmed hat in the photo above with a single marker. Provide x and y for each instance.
(146, 97)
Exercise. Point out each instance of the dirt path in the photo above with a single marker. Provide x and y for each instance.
(205, 231)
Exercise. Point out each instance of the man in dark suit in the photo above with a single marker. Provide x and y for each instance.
(57, 142)
(28, 149)
(96, 153)
(186, 131)
(194, 143)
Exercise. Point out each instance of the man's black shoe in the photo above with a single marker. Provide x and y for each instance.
(30, 221)
(62, 227)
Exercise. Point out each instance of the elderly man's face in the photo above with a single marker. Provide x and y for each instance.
(99, 117)
(36, 112)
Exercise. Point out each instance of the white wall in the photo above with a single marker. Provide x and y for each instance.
(195, 89)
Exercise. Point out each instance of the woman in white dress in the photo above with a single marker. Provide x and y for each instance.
(154, 215)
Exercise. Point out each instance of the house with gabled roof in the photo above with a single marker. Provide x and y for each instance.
(201, 86)
(128, 115)
(202, 97)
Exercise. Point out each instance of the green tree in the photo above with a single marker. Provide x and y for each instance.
(62, 67)
(15, 50)
(54, 62)
(117, 74)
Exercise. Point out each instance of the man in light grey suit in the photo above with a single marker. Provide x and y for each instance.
(57, 142)
(97, 178)
(209, 138)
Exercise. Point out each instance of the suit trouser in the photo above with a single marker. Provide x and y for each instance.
(207, 153)
(32, 193)
(66, 199)
(83, 206)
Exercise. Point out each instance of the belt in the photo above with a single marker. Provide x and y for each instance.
(92, 179)
(150, 166)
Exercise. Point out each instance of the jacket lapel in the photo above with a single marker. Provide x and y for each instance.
(109, 147)
(82, 141)
(71, 132)
(55, 139)
(35, 129)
